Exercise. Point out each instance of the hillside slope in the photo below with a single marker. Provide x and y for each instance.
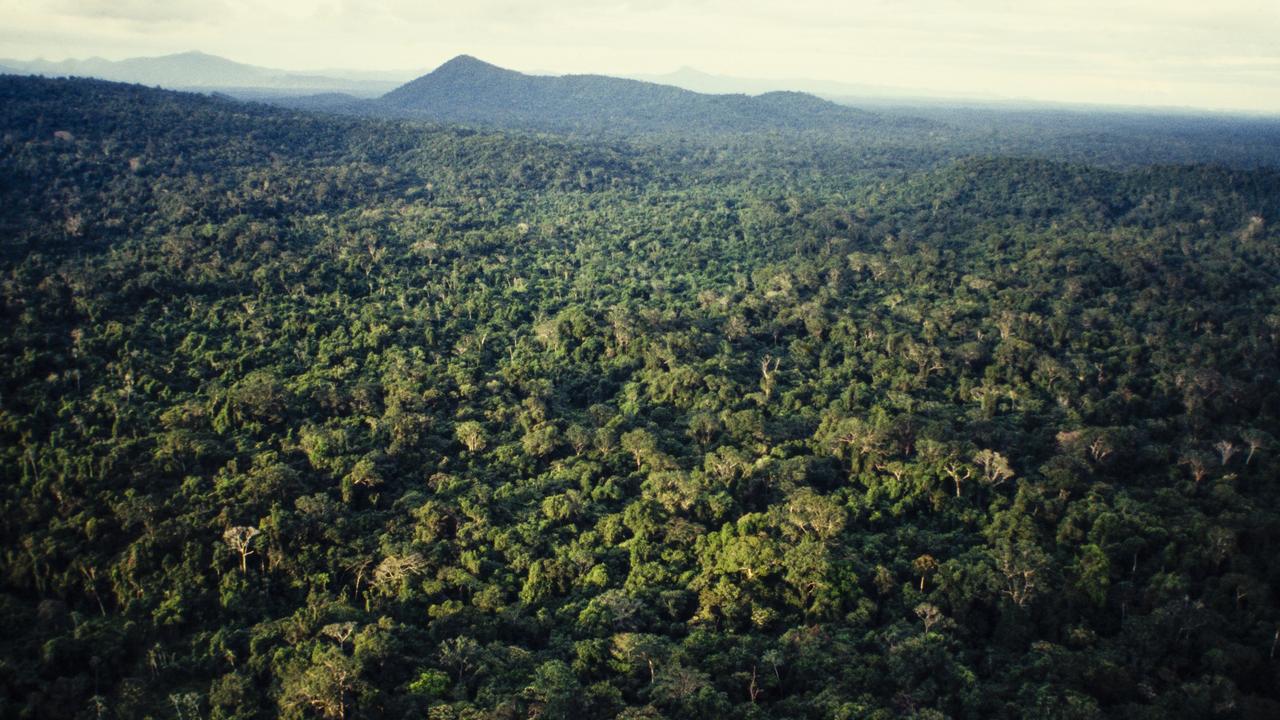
(311, 416)
(468, 90)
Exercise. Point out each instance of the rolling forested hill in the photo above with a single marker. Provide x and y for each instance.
(326, 416)
(472, 91)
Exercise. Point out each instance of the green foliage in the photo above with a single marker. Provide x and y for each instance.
(311, 416)
(431, 684)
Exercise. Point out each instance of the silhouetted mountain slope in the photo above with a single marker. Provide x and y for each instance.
(468, 90)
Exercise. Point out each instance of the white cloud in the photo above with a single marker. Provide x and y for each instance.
(143, 11)
(1185, 52)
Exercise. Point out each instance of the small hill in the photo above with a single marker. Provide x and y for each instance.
(468, 90)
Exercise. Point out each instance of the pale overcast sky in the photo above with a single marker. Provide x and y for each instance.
(1221, 54)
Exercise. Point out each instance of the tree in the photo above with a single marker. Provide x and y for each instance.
(808, 571)
(813, 514)
(703, 427)
(1255, 440)
(1226, 450)
(678, 684)
(240, 539)
(578, 437)
(995, 467)
(630, 649)
(326, 684)
(924, 565)
(854, 437)
(1023, 567)
(929, 614)
(641, 445)
(471, 434)
(1093, 573)
(394, 570)
(1197, 463)
(555, 691)
(365, 473)
(540, 440)
(430, 683)
(769, 375)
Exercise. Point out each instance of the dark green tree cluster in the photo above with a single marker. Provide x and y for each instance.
(316, 417)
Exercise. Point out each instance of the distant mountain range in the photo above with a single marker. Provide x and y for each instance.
(699, 81)
(200, 71)
(470, 91)
(347, 91)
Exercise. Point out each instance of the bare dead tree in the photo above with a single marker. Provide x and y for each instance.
(768, 374)
(1226, 450)
(1255, 440)
(995, 467)
(240, 538)
(340, 632)
(1197, 464)
(1100, 448)
(1021, 578)
(396, 568)
(958, 473)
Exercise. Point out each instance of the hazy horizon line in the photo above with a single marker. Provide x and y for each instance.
(903, 94)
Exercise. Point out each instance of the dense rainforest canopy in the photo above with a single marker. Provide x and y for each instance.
(334, 417)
